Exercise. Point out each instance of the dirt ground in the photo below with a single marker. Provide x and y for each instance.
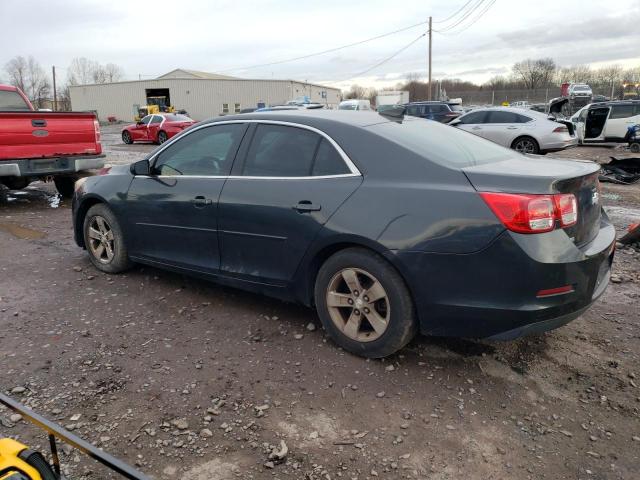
(185, 379)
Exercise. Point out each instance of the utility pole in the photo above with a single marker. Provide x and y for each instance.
(55, 93)
(429, 92)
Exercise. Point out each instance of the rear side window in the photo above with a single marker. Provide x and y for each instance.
(415, 110)
(451, 147)
(279, 151)
(208, 151)
(328, 161)
(621, 111)
(156, 119)
(12, 101)
(496, 116)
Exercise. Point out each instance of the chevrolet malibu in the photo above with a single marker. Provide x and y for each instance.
(387, 226)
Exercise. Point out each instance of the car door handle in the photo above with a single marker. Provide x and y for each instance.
(201, 201)
(306, 206)
(512, 128)
(38, 123)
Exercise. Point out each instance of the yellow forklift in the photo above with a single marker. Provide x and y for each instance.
(157, 104)
(19, 462)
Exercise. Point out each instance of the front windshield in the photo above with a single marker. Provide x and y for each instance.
(581, 88)
(348, 106)
(176, 117)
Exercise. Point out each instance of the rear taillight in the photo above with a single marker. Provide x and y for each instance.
(96, 127)
(523, 213)
(561, 129)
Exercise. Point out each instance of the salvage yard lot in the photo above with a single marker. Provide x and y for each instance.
(189, 380)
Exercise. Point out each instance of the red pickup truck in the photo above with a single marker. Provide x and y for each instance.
(43, 145)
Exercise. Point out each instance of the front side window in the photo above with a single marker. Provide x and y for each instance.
(208, 151)
(473, 118)
(621, 111)
(12, 101)
(146, 120)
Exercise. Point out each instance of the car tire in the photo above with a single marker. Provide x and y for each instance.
(375, 326)
(126, 138)
(162, 137)
(526, 145)
(634, 147)
(65, 185)
(108, 252)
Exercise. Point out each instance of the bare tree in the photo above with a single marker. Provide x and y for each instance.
(30, 77)
(113, 72)
(356, 91)
(535, 73)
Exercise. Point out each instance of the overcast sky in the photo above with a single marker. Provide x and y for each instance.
(150, 37)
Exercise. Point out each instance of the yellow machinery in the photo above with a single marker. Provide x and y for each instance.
(18, 462)
(154, 105)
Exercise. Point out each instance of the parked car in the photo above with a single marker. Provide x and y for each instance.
(355, 105)
(156, 128)
(419, 226)
(580, 90)
(606, 121)
(439, 111)
(526, 131)
(39, 145)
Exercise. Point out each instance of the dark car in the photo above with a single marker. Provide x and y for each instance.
(388, 226)
(439, 111)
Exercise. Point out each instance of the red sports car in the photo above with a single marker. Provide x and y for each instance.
(157, 128)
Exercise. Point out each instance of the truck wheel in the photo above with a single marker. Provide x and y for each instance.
(16, 183)
(104, 240)
(364, 304)
(126, 138)
(65, 186)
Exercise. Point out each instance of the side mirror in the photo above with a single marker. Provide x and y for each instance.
(141, 168)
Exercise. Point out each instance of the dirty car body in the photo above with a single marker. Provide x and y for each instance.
(420, 195)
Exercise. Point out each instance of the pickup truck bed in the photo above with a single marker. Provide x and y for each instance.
(41, 144)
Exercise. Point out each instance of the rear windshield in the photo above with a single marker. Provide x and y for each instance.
(12, 101)
(176, 117)
(443, 144)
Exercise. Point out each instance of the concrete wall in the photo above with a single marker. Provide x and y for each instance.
(201, 98)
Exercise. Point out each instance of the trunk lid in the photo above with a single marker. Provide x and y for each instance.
(48, 134)
(540, 175)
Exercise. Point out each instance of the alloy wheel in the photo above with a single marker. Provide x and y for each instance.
(162, 137)
(525, 146)
(101, 240)
(358, 305)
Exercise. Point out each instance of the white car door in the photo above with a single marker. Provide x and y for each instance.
(502, 127)
(472, 122)
(578, 123)
(620, 119)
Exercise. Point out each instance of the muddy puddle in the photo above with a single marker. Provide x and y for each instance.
(19, 231)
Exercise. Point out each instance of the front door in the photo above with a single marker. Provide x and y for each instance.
(502, 127)
(154, 128)
(173, 211)
(472, 122)
(290, 182)
(139, 130)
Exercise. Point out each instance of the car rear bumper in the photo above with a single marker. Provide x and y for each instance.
(41, 167)
(493, 293)
(556, 145)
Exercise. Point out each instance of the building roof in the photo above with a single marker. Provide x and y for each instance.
(185, 73)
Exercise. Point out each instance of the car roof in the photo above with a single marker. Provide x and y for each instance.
(614, 102)
(310, 117)
(8, 88)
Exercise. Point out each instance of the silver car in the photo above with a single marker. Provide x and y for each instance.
(526, 131)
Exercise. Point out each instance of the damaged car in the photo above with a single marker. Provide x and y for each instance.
(606, 121)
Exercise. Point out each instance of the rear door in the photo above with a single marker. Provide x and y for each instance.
(622, 116)
(290, 181)
(172, 213)
(502, 127)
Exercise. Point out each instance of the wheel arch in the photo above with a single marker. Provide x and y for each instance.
(305, 279)
(80, 215)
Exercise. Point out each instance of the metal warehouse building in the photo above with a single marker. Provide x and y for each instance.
(203, 95)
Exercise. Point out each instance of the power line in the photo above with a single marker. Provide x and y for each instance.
(454, 14)
(303, 57)
(464, 16)
(382, 62)
(473, 20)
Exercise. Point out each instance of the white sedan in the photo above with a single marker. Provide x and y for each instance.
(526, 131)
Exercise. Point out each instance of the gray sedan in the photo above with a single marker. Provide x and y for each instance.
(523, 130)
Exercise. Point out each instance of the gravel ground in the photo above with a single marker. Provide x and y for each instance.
(189, 380)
